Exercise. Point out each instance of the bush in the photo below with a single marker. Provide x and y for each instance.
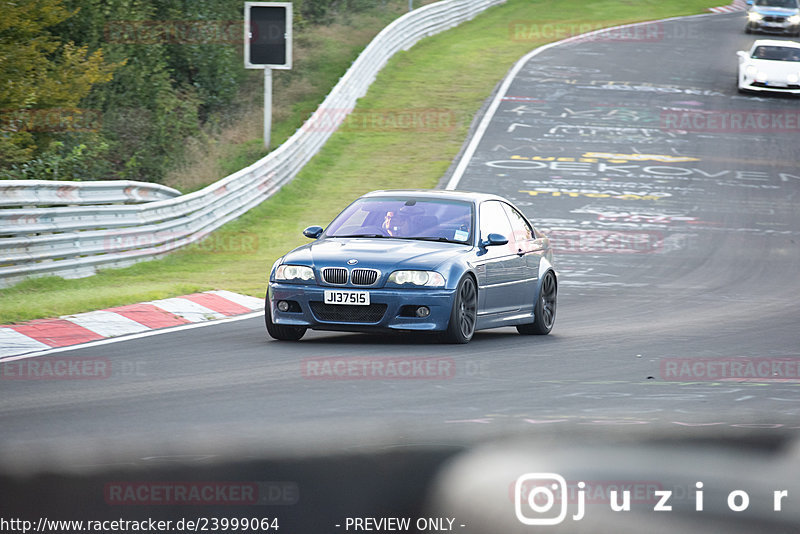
(82, 161)
(162, 91)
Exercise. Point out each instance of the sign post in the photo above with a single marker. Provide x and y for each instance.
(267, 46)
(267, 106)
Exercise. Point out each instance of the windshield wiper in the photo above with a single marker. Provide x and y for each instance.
(438, 239)
(360, 235)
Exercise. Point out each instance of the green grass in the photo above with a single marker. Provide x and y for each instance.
(455, 71)
(232, 138)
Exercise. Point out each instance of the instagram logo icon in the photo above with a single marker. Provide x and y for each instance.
(541, 499)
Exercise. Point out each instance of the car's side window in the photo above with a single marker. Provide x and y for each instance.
(495, 221)
(522, 229)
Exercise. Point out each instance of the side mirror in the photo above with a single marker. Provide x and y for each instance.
(742, 54)
(313, 232)
(492, 240)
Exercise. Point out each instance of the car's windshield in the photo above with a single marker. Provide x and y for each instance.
(777, 3)
(777, 53)
(404, 217)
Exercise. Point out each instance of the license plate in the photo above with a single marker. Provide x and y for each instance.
(353, 298)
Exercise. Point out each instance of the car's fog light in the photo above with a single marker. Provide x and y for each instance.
(283, 306)
(423, 311)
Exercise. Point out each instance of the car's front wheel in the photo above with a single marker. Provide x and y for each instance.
(464, 314)
(281, 332)
(544, 313)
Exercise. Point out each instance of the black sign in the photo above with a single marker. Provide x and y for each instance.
(268, 35)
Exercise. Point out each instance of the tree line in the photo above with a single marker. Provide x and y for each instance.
(111, 89)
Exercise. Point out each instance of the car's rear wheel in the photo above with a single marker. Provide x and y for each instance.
(281, 332)
(748, 29)
(544, 313)
(464, 314)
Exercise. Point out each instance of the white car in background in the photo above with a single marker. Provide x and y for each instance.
(770, 65)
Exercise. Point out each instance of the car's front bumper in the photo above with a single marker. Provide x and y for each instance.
(774, 27)
(310, 311)
(752, 85)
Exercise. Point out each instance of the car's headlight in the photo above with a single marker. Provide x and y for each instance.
(417, 278)
(753, 16)
(792, 78)
(294, 272)
(751, 71)
(794, 19)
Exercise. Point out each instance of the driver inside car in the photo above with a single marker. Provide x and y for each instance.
(396, 224)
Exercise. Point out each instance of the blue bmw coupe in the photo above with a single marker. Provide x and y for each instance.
(425, 261)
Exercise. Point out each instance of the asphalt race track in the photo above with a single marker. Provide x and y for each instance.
(672, 203)
(671, 198)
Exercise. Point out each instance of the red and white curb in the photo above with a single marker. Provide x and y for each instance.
(68, 330)
(736, 5)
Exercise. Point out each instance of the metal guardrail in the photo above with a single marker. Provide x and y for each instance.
(74, 241)
(19, 193)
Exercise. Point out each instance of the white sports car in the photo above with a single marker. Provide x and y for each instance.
(770, 65)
